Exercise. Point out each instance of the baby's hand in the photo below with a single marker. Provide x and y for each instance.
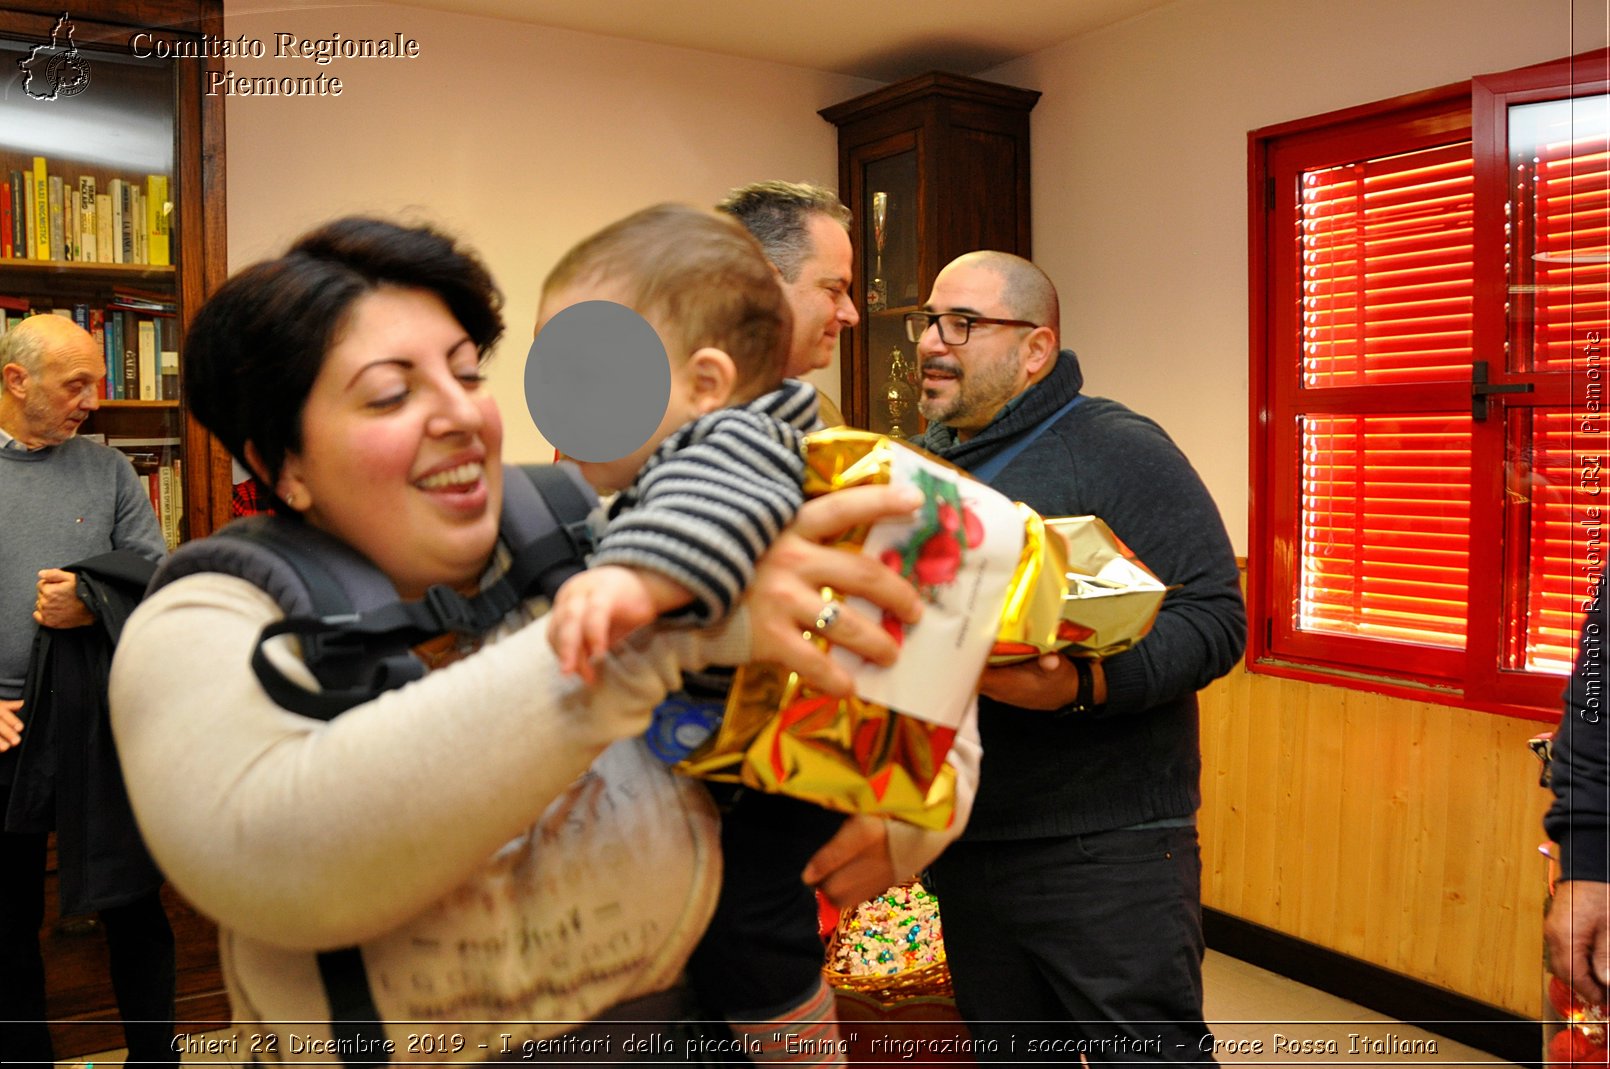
(599, 607)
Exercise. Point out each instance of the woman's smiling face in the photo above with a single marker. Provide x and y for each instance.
(401, 447)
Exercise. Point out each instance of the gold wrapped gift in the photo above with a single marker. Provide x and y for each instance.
(860, 754)
(992, 572)
(1082, 590)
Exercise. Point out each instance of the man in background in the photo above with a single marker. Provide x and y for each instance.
(1578, 926)
(66, 499)
(804, 231)
(1071, 902)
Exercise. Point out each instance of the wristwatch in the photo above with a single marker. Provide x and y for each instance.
(1085, 700)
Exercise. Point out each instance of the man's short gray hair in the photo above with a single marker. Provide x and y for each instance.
(25, 348)
(779, 215)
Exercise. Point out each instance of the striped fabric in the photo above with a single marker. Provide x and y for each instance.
(713, 497)
(806, 1035)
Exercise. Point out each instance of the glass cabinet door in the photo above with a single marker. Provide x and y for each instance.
(887, 217)
(90, 186)
(931, 167)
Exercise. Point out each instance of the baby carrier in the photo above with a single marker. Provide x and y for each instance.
(356, 636)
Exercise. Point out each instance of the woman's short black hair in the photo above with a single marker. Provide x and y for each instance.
(256, 346)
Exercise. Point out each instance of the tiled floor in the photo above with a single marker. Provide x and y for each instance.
(1260, 1018)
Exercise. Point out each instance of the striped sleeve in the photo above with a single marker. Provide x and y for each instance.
(705, 509)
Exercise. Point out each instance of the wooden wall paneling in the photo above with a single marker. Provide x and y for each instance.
(1400, 833)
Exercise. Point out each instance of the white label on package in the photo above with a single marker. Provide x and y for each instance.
(961, 552)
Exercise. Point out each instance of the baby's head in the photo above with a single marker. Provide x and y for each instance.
(712, 297)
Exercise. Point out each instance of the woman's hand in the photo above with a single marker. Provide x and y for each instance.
(785, 601)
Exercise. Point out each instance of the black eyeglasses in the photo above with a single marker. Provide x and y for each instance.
(954, 327)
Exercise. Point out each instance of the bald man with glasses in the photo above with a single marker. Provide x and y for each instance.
(1071, 902)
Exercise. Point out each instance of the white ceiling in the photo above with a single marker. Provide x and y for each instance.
(884, 40)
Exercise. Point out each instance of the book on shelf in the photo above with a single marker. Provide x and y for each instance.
(87, 237)
(114, 237)
(131, 356)
(156, 462)
(7, 249)
(19, 216)
(13, 310)
(144, 300)
(126, 217)
(30, 218)
(142, 253)
(69, 218)
(165, 510)
(114, 356)
(58, 233)
(157, 211)
(177, 464)
(168, 358)
(40, 212)
(103, 228)
(97, 330)
(147, 348)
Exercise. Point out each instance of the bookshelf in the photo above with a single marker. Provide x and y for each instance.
(130, 119)
(111, 214)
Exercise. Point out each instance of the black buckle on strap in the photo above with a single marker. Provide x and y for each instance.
(452, 610)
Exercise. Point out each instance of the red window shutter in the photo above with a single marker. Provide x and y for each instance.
(1386, 301)
(1387, 283)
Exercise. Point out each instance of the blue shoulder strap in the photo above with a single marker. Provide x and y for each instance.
(996, 464)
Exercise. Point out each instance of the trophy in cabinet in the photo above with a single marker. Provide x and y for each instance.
(901, 391)
(877, 293)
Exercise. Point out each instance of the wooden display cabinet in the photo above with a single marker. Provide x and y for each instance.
(932, 167)
(102, 106)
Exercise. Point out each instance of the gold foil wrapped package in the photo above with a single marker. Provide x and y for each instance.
(883, 751)
(1078, 588)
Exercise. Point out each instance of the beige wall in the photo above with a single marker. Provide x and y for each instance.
(518, 138)
(1140, 174)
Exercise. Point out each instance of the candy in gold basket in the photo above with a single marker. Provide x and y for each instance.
(890, 947)
(882, 751)
(1084, 592)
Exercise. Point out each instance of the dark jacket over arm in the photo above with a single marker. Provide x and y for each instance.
(68, 777)
(1579, 819)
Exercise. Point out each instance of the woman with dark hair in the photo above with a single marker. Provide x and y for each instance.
(490, 843)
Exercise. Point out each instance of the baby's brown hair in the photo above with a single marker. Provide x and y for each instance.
(701, 278)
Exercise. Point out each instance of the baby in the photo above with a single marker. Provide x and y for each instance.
(719, 478)
(698, 503)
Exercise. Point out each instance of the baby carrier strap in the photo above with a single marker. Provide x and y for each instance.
(356, 636)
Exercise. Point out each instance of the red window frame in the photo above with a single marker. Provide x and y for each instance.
(1474, 676)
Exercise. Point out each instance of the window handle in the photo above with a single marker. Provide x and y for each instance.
(1481, 389)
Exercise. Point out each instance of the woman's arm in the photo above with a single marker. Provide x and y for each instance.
(311, 834)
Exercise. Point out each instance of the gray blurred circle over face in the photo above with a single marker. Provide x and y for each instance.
(597, 381)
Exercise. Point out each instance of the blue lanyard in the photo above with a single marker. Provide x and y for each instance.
(992, 467)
